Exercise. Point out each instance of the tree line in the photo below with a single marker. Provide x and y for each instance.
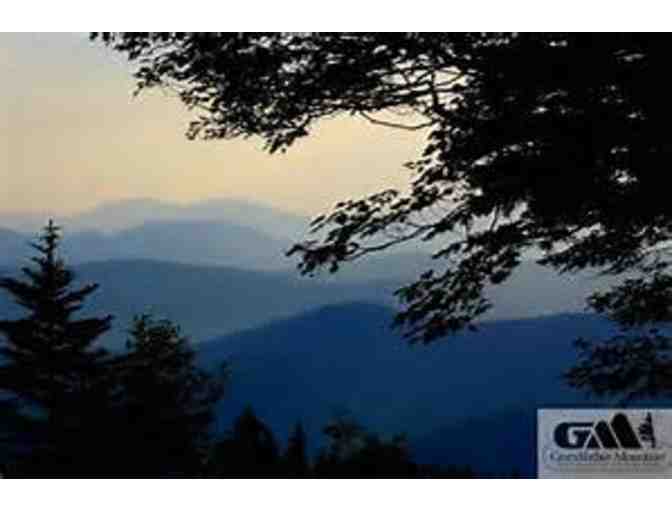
(71, 408)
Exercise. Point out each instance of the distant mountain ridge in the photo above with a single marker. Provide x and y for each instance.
(205, 243)
(531, 291)
(206, 301)
(188, 242)
(235, 233)
(121, 215)
(346, 357)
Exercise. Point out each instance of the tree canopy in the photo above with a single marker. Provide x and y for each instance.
(164, 404)
(553, 145)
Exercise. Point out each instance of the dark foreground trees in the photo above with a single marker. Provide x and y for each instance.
(71, 408)
(251, 449)
(296, 457)
(352, 451)
(551, 145)
(53, 373)
(162, 403)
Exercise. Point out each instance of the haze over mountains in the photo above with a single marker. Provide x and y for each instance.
(206, 301)
(307, 348)
(237, 234)
(225, 232)
(124, 214)
(221, 232)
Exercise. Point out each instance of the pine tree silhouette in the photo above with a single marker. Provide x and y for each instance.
(296, 456)
(249, 450)
(164, 403)
(51, 368)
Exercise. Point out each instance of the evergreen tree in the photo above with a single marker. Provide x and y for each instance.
(354, 452)
(164, 402)
(51, 367)
(250, 449)
(345, 437)
(296, 457)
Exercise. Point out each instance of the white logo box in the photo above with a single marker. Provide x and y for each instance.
(604, 443)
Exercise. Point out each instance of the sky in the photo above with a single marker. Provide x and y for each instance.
(72, 136)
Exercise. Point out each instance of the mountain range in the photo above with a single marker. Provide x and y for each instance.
(309, 348)
(205, 301)
(211, 301)
(222, 232)
(232, 234)
(459, 400)
(120, 215)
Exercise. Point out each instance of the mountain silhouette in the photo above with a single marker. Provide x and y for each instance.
(532, 291)
(121, 215)
(345, 357)
(189, 242)
(205, 301)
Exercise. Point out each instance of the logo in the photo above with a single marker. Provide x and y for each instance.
(604, 443)
(611, 436)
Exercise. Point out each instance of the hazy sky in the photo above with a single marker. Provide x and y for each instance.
(72, 136)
